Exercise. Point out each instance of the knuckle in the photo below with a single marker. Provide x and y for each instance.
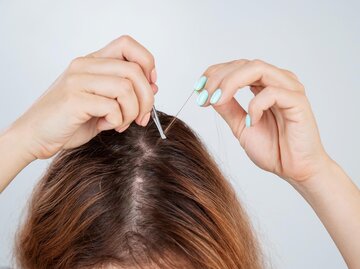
(240, 61)
(291, 74)
(258, 61)
(149, 60)
(257, 64)
(126, 85)
(226, 83)
(301, 88)
(135, 68)
(300, 96)
(212, 69)
(125, 39)
(213, 81)
(76, 63)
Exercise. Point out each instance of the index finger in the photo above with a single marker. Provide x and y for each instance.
(127, 48)
(256, 73)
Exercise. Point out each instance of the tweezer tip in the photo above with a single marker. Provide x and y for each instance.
(163, 136)
(157, 123)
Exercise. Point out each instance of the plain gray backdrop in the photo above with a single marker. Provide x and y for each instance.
(317, 40)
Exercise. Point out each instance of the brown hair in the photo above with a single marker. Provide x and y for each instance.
(130, 200)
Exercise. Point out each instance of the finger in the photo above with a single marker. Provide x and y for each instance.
(201, 83)
(215, 74)
(132, 71)
(127, 48)
(289, 73)
(112, 87)
(154, 88)
(122, 129)
(290, 102)
(105, 66)
(256, 73)
(234, 115)
(125, 95)
(108, 110)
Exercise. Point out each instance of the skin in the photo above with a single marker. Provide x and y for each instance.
(284, 139)
(115, 86)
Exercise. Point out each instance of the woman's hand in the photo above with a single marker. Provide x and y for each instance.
(107, 89)
(282, 136)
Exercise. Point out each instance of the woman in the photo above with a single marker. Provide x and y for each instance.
(111, 88)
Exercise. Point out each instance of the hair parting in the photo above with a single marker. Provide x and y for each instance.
(125, 200)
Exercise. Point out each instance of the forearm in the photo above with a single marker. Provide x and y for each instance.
(13, 156)
(336, 201)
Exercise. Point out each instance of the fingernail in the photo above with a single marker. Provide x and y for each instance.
(153, 76)
(145, 119)
(247, 120)
(200, 83)
(155, 88)
(123, 128)
(215, 96)
(202, 97)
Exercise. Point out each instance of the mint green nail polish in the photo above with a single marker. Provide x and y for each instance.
(247, 121)
(215, 96)
(200, 83)
(202, 97)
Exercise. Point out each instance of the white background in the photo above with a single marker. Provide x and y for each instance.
(318, 40)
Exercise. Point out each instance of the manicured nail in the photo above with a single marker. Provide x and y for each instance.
(153, 76)
(200, 83)
(145, 119)
(215, 96)
(247, 121)
(202, 97)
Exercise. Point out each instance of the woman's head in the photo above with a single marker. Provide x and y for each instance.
(131, 200)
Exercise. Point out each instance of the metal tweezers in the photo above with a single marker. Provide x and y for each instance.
(155, 118)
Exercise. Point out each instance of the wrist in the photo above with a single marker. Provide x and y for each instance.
(13, 156)
(336, 201)
(327, 175)
(13, 143)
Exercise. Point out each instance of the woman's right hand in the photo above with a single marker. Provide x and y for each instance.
(107, 89)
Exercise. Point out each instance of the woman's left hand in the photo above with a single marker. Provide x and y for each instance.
(283, 137)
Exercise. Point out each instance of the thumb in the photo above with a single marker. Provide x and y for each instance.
(127, 48)
(234, 115)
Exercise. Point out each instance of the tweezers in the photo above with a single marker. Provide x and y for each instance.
(155, 118)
